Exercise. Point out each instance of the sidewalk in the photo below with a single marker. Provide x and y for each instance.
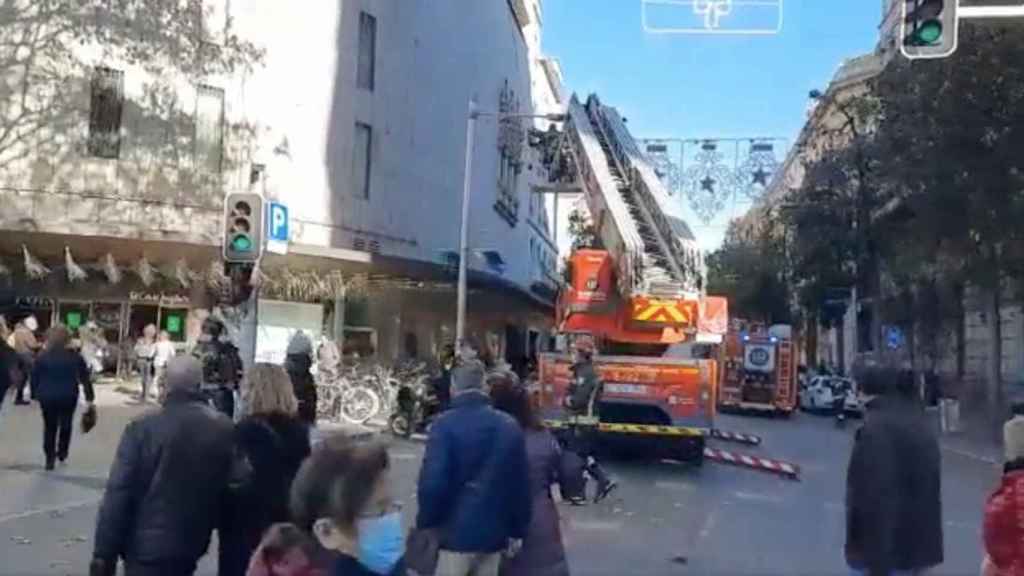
(974, 439)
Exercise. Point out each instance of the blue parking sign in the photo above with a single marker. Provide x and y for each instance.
(277, 227)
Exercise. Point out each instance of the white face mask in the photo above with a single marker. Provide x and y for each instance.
(31, 323)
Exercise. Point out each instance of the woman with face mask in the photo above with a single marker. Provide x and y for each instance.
(342, 495)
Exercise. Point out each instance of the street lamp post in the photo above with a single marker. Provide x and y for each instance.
(473, 114)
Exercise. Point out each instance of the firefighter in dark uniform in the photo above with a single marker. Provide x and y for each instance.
(222, 366)
(582, 401)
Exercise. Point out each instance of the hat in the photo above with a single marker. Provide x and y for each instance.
(300, 344)
(183, 373)
(468, 376)
(1013, 438)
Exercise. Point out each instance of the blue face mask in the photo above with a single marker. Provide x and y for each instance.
(381, 542)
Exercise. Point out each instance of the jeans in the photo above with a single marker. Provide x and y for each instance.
(22, 374)
(58, 421)
(146, 370)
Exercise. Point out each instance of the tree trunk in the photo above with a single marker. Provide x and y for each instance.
(812, 340)
(960, 331)
(994, 388)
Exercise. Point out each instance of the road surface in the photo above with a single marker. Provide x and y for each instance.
(665, 518)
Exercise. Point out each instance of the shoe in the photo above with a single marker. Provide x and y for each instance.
(577, 501)
(62, 462)
(604, 490)
(22, 402)
(49, 464)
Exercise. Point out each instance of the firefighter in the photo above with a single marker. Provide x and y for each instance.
(583, 401)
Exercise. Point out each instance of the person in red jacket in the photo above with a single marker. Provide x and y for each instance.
(1004, 511)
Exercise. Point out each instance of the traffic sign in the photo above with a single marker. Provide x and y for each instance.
(278, 232)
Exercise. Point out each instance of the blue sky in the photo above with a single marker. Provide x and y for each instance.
(687, 86)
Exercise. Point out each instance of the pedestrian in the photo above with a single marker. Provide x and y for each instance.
(166, 486)
(1004, 511)
(274, 442)
(145, 354)
(287, 551)
(473, 488)
(298, 361)
(222, 366)
(8, 361)
(163, 352)
(893, 482)
(583, 402)
(24, 342)
(343, 497)
(56, 377)
(543, 553)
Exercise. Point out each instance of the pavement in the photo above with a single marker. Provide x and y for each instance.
(665, 518)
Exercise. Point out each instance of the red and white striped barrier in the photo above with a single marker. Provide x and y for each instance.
(736, 437)
(785, 469)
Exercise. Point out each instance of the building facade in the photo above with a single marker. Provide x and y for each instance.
(353, 114)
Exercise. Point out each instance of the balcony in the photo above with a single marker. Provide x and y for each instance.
(521, 10)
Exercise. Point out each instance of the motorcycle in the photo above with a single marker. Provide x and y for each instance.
(416, 406)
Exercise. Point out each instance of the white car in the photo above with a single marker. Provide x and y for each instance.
(822, 392)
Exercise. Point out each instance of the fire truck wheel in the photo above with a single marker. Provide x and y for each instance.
(693, 451)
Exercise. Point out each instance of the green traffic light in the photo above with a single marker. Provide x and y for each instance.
(241, 243)
(929, 33)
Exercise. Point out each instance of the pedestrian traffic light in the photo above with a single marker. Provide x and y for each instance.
(243, 227)
(929, 29)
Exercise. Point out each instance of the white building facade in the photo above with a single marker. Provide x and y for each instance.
(351, 113)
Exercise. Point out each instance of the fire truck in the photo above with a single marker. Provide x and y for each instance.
(758, 369)
(635, 297)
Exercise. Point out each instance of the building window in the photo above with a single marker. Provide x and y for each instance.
(362, 160)
(209, 128)
(106, 104)
(365, 71)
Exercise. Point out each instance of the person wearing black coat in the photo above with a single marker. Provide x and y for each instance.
(893, 483)
(274, 442)
(56, 376)
(298, 361)
(167, 484)
(8, 361)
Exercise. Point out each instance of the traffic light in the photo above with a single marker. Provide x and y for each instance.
(243, 227)
(930, 28)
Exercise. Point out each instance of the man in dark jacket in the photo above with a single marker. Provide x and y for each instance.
(474, 484)
(167, 483)
(893, 483)
(583, 402)
(297, 362)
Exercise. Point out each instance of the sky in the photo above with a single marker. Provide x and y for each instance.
(700, 86)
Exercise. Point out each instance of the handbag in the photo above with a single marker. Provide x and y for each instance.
(422, 548)
(89, 418)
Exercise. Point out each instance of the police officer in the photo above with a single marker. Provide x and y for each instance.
(222, 366)
(583, 401)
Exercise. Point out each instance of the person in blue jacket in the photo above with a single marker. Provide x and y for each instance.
(56, 376)
(474, 485)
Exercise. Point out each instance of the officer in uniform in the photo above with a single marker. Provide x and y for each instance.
(222, 366)
(583, 401)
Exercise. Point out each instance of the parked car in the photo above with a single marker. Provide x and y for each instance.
(823, 393)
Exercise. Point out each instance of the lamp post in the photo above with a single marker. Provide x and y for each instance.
(471, 117)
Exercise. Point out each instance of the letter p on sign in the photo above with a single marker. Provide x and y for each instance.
(277, 224)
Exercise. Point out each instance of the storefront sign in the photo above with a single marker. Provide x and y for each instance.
(159, 299)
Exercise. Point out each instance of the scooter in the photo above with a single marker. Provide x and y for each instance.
(416, 406)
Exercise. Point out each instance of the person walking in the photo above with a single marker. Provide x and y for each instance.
(163, 351)
(583, 402)
(473, 488)
(56, 377)
(343, 497)
(8, 361)
(25, 345)
(893, 482)
(298, 361)
(145, 353)
(543, 553)
(274, 441)
(167, 483)
(1003, 532)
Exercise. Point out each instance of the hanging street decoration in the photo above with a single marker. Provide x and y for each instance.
(34, 269)
(146, 272)
(182, 273)
(713, 172)
(75, 272)
(708, 182)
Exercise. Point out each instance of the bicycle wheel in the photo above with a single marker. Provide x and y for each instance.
(359, 404)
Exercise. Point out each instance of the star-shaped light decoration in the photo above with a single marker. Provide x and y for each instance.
(758, 168)
(708, 185)
(708, 182)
